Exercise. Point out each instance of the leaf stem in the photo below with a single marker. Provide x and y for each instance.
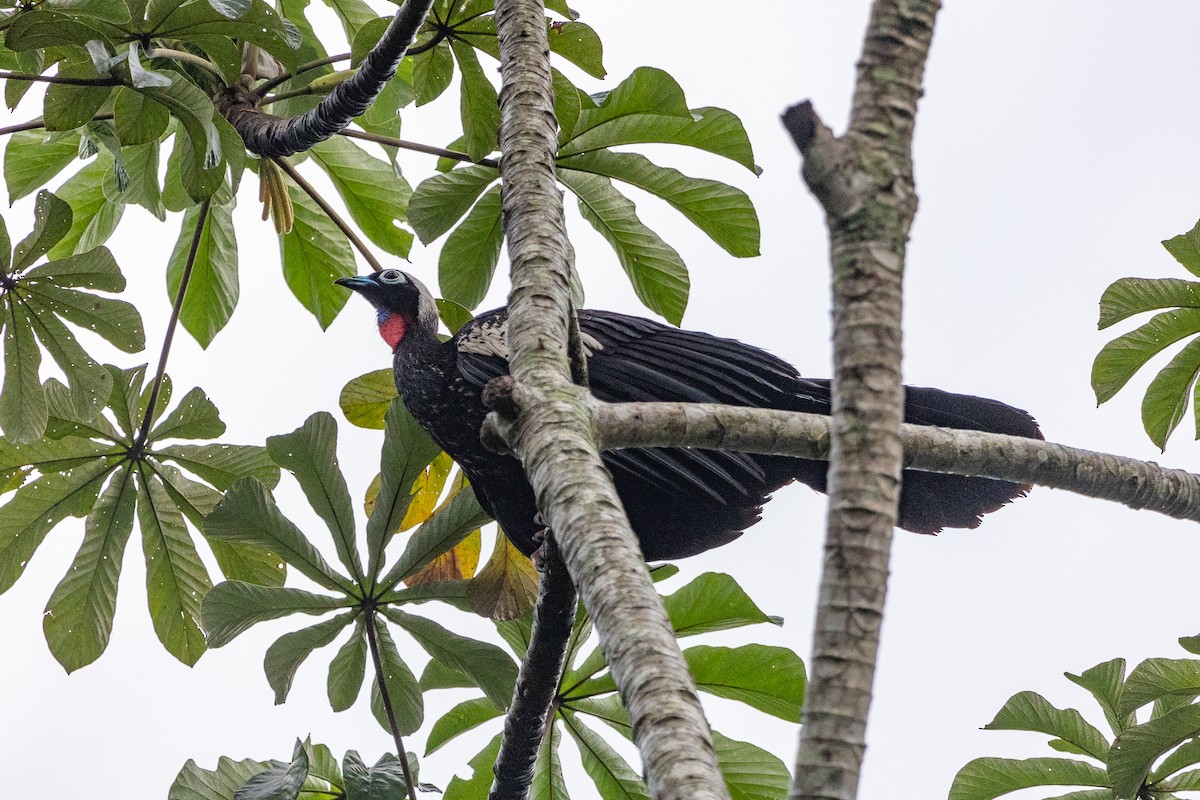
(191, 58)
(172, 324)
(21, 76)
(401, 753)
(308, 66)
(40, 122)
(336, 218)
(405, 144)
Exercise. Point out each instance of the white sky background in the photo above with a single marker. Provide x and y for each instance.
(1055, 149)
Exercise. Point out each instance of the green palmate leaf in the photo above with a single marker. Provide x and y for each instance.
(138, 118)
(115, 320)
(608, 710)
(310, 454)
(141, 166)
(194, 418)
(579, 44)
(194, 783)
(314, 254)
(123, 402)
(233, 607)
(1029, 711)
(51, 221)
(647, 90)
(478, 108)
(407, 451)
(569, 101)
(476, 787)
(469, 256)
(985, 778)
(79, 614)
(1118, 360)
(281, 781)
(448, 526)
(375, 195)
(354, 14)
(1185, 249)
(463, 717)
(23, 410)
(1129, 296)
(548, 782)
(50, 455)
(68, 107)
(176, 580)
(613, 776)
(1156, 678)
(90, 382)
(213, 287)
(439, 676)
(516, 633)
(712, 602)
(489, 667)
(365, 399)
(384, 781)
(248, 515)
(365, 39)
(51, 29)
(1168, 394)
(658, 274)
(261, 25)
(1135, 751)
(1184, 782)
(94, 215)
(432, 71)
(724, 213)
(223, 464)
(453, 315)
(403, 689)
(289, 651)
(32, 159)
(751, 773)
(770, 679)
(1185, 755)
(347, 669)
(65, 420)
(506, 587)
(441, 201)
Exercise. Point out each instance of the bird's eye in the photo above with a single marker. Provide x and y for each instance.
(392, 276)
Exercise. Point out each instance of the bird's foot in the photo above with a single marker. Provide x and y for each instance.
(542, 539)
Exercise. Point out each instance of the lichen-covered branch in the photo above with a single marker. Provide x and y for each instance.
(864, 182)
(552, 431)
(269, 135)
(1137, 484)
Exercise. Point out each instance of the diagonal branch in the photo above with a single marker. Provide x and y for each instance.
(865, 184)
(544, 418)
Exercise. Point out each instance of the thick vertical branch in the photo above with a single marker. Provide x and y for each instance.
(865, 183)
(554, 435)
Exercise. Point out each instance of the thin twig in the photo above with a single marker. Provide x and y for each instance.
(60, 79)
(417, 147)
(358, 243)
(190, 58)
(401, 753)
(172, 324)
(266, 86)
(34, 124)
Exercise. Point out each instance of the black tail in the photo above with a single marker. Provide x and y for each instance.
(932, 501)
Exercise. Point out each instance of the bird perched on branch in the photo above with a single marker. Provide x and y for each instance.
(680, 502)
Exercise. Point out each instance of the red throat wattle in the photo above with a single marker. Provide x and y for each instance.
(392, 328)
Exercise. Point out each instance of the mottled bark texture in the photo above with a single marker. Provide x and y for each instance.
(269, 135)
(533, 698)
(556, 440)
(1141, 485)
(864, 181)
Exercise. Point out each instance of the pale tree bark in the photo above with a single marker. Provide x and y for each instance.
(546, 420)
(864, 181)
(1141, 485)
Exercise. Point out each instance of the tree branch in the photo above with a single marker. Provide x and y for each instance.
(270, 136)
(708, 426)
(532, 708)
(553, 434)
(865, 184)
(417, 147)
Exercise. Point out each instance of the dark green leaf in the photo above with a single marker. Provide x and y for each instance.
(614, 778)
(751, 773)
(194, 783)
(23, 410)
(47, 28)
(233, 607)
(1029, 711)
(138, 118)
(375, 195)
(770, 679)
(658, 274)
(713, 130)
(986, 778)
(448, 526)
(1118, 360)
(347, 669)
(548, 782)
(1167, 395)
(51, 221)
(1129, 296)
(384, 781)
(439, 202)
(1185, 249)
(1135, 751)
(115, 320)
(1185, 755)
(463, 717)
(712, 602)
(194, 418)
(95, 216)
(314, 254)
(476, 787)
(439, 676)
(580, 45)
(354, 14)
(470, 254)
(213, 287)
(1156, 678)
(79, 614)
(453, 315)
(33, 158)
(176, 580)
(261, 25)
(432, 71)
(289, 651)
(222, 464)
(248, 515)
(310, 454)
(403, 689)
(280, 782)
(1106, 682)
(478, 103)
(68, 107)
(65, 420)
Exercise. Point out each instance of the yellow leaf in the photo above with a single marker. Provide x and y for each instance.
(506, 588)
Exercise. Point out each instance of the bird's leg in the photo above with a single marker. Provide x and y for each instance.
(542, 539)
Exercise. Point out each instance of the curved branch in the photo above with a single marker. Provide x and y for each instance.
(532, 707)
(708, 426)
(271, 136)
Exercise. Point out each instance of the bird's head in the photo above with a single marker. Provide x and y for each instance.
(402, 303)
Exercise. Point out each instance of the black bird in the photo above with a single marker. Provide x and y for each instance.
(680, 502)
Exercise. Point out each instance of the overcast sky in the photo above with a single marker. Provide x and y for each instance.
(1055, 148)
